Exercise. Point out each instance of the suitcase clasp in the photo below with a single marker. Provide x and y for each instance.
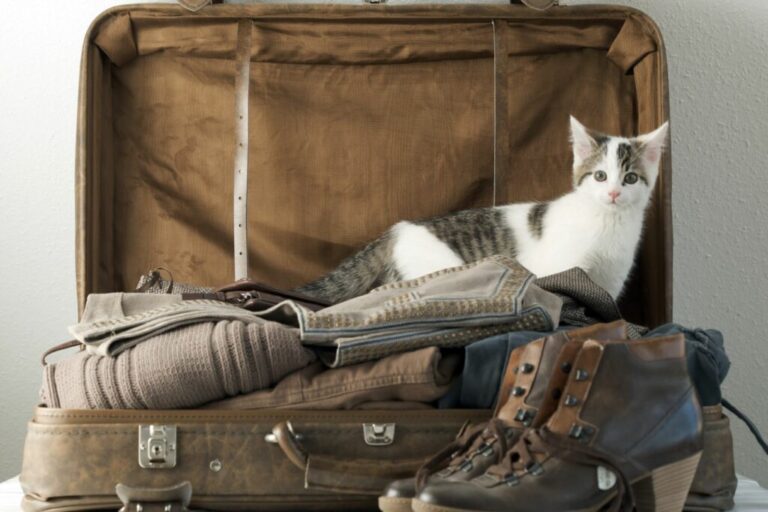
(379, 434)
(157, 446)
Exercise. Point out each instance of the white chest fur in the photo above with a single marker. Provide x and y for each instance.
(579, 233)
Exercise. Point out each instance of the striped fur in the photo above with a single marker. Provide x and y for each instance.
(357, 274)
(536, 219)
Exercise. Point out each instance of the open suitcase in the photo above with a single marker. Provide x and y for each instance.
(353, 117)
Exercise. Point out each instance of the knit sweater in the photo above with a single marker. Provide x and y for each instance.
(181, 368)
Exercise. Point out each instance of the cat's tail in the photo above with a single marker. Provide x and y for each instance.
(355, 276)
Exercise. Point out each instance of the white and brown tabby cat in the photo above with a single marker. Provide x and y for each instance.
(596, 226)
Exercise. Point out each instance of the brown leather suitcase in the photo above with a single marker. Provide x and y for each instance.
(353, 117)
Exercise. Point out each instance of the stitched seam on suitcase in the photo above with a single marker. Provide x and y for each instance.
(246, 431)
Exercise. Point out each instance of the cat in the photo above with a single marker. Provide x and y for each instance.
(596, 226)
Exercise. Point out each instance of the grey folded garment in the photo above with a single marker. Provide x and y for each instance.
(448, 308)
(184, 367)
(113, 322)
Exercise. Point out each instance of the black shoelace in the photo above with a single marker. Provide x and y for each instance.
(748, 422)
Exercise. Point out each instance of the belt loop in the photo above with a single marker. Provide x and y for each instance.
(240, 199)
(500, 99)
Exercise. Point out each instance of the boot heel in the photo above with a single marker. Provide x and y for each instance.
(666, 489)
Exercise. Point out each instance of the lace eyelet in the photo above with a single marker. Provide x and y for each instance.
(511, 480)
(581, 375)
(570, 401)
(534, 469)
(580, 432)
(486, 450)
(525, 417)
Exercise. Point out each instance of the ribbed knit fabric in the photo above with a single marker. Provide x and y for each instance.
(182, 368)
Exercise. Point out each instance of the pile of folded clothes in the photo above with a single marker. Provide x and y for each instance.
(437, 341)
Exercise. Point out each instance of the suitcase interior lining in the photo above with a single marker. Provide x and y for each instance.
(354, 125)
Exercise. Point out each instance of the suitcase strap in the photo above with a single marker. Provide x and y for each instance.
(356, 476)
(500, 110)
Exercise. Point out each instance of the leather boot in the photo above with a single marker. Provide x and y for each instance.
(535, 375)
(626, 433)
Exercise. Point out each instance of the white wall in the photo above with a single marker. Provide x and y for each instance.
(718, 71)
(719, 76)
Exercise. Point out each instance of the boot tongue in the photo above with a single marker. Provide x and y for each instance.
(566, 420)
(537, 372)
(526, 380)
(559, 378)
(508, 380)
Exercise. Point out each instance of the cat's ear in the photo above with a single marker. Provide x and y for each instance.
(583, 143)
(652, 145)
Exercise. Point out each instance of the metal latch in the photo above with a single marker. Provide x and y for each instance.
(379, 434)
(157, 446)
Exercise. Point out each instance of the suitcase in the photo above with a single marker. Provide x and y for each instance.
(353, 117)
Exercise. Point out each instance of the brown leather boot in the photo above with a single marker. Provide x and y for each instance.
(535, 376)
(627, 433)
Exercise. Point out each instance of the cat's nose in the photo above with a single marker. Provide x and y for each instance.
(614, 194)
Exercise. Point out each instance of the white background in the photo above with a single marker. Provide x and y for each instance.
(719, 78)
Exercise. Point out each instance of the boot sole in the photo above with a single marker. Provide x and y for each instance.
(664, 490)
(420, 506)
(387, 504)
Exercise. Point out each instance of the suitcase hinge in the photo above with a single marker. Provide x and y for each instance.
(157, 446)
(379, 434)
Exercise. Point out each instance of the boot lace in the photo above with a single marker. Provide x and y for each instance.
(470, 442)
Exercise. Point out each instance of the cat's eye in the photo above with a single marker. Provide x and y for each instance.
(600, 176)
(630, 178)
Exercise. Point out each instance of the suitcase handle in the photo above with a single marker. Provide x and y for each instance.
(539, 5)
(164, 499)
(356, 476)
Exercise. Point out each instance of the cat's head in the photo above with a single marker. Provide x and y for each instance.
(615, 171)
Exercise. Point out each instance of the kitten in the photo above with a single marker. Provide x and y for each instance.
(596, 226)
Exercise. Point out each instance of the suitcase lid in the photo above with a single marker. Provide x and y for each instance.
(357, 117)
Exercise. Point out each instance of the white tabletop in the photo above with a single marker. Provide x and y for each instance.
(750, 497)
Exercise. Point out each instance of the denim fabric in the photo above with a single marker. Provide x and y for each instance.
(708, 363)
(485, 362)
